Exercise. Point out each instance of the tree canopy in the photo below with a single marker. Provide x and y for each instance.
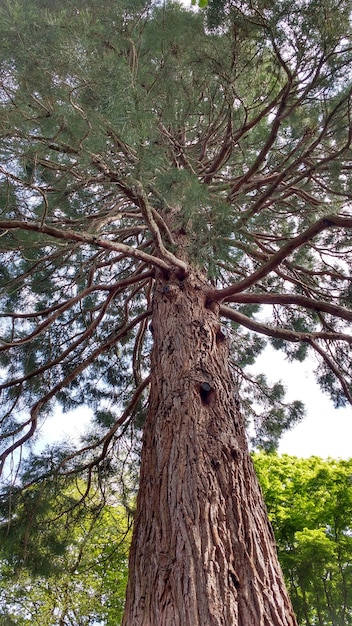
(62, 563)
(136, 138)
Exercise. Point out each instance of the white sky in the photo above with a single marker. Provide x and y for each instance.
(325, 431)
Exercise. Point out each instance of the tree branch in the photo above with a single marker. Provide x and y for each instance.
(109, 435)
(280, 333)
(148, 214)
(60, 309)
(268, 144)
(287, 299)
(333, 368)
(87, 238)
(221, 295)
(37, 407)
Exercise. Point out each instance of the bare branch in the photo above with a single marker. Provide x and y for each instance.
(280, 333)
(87, 238)
(324, 223)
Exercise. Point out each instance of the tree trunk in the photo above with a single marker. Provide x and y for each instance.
(203, 552)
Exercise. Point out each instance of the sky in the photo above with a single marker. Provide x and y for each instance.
(324, 432)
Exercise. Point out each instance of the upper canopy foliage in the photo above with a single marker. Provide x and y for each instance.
(139, 137)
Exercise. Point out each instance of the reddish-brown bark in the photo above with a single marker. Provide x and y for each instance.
(203, 552)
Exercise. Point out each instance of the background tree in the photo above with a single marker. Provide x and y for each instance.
(310, 505)
(61, 562)
(153, 168)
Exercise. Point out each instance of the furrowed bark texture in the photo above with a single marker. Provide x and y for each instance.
(203, 552)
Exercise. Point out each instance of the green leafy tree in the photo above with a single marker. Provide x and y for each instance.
(171, 195)
(309, 503)
(61, 562)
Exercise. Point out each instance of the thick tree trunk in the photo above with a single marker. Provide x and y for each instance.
(203, 552)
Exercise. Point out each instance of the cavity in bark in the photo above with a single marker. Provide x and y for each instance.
(205, 391)
(221, 334)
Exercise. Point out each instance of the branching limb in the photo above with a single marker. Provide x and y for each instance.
(176, 145)
(324, 223)
(66, 353)
(333, 367)
(149, 216)
(88, 238)
(268, 144)
(223, 154)
(105, 441)
(280, 333)
(38, 406)
(109, 435)
(287, 299)
(59, 310)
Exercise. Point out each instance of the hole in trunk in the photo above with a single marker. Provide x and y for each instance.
(206, 391)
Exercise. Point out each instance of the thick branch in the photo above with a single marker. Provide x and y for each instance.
(87, 238)
(280, 333)
(329, 221)
(287, 299)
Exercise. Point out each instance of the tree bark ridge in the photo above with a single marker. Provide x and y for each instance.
(203, 552)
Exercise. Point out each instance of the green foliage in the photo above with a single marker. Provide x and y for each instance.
(309, 503)
(263, 405)
(64, 557)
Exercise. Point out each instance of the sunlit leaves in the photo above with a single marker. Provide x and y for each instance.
(310, 506)
(74, 567)
(309, 503)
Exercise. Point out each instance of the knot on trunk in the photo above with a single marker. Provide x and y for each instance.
(221, 333)
(170, 291)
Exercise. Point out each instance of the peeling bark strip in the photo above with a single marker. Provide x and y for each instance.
(203, 553)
